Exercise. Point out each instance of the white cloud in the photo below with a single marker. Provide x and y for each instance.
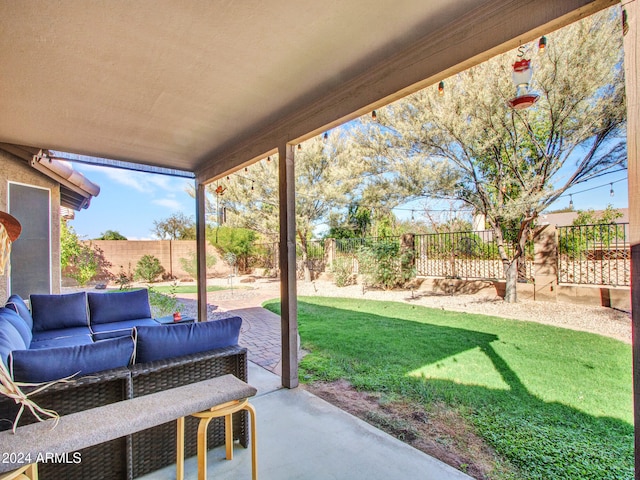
(141, 181)
(170, 203)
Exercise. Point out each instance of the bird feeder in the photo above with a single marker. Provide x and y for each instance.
(522, 73)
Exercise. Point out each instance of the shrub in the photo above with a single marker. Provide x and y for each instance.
(84, 266)
(163, 304)
(80, 260)
(343, 271)
(190, 263)
(123, 279)
(384, 265)
(148, 268)
(237, 241)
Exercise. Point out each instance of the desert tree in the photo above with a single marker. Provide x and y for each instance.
(508, 164)
(327, 178)
(177, 226)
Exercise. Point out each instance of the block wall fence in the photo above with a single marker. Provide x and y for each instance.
(125, 254)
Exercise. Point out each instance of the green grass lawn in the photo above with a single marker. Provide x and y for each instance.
(555, 403)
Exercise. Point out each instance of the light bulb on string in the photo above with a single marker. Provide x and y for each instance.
(542, 44)
(299, 147)
(246, 169)
(268, 159)
(611, 192)
(373, 115)
(412, 217)
(570, 201)
(326, 136)
(441, 88)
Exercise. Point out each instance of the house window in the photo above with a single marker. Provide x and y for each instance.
(31, 252)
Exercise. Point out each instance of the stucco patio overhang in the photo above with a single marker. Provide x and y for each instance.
(208, 87)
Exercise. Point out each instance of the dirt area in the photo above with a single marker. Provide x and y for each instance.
(439, 432)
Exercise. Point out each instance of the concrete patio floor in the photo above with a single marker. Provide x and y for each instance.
(300, 436)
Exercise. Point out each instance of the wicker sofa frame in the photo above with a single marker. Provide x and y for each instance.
(146, 451)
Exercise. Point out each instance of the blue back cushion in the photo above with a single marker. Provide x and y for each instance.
(19, 324)
(47, 364)
(167, 341)
(59, 311)
(10, 340)
(17, 303)
(119, 306)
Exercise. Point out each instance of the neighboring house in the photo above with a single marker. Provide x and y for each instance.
(34, 189)
(565, 219)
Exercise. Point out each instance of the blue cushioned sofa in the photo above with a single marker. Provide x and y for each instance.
(115, 350)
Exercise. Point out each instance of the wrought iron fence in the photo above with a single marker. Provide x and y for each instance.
(468, 255)
(315, 258)
(348, 249)
(594, 254)
(587, 254)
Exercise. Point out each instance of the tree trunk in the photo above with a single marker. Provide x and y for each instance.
(305, 264)
(305, 256)
(511, 275)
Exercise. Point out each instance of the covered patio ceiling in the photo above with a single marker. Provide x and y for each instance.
(208, 86)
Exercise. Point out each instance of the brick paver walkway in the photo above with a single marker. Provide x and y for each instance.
(260, 328)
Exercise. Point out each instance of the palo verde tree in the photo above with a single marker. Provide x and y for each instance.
(326, 179)
(508, 164)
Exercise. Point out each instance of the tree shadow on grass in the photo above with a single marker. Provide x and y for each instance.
(542, 439)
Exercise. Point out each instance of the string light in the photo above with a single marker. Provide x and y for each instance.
(268, 159)
(246, 169)
(611, 192)
(299, 146)
(326, 136)
(373, 115)
(542, 44)
(441, 88)
(570, 200)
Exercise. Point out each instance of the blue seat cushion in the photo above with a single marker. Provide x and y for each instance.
(60, 332)
(17, 303)
(167, 341)
(47, 364)
(118, 306)
(51, 312)
(61, 342)
(118, 329)
(10, 340)
(19, 324)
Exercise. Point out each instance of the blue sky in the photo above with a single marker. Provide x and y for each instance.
(129, 202)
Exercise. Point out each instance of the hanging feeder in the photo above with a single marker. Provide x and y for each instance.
(522, 73)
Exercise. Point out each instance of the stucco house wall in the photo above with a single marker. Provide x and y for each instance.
(14, 169)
